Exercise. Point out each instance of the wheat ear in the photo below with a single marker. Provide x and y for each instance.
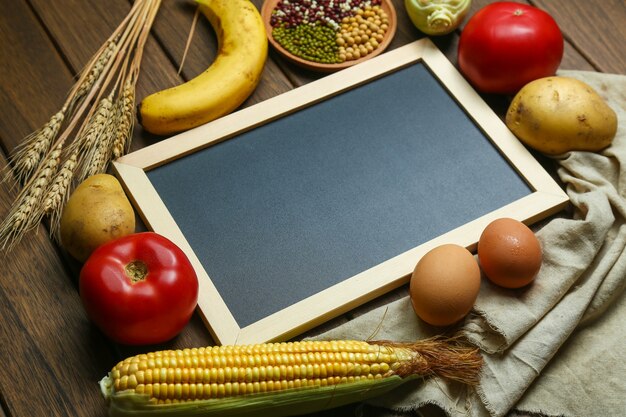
(26, 212)
(126, 117)
(28, 155)
(98, 159)
(58, 192)
(88, 141)
(101, 155)
(84, 86)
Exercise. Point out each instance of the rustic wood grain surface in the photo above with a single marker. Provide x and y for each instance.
(51, 356)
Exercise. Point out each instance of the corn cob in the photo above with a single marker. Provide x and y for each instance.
(277, 378)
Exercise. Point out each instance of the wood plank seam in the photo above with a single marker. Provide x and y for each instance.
(3, 406)
(567, 39)
(57, 47)
(40, 362)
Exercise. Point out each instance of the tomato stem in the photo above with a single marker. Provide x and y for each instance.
(136, 271)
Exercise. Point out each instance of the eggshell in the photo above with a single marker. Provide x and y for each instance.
(444, 285)
(509, 253)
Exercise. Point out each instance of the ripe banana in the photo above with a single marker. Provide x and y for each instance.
(229, 80)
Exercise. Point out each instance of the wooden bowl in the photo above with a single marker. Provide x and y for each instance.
(387, 6)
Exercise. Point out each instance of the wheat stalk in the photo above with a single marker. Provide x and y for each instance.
(96, 122)
(100, 132)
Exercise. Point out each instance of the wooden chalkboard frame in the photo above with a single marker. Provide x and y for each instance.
(546, 195)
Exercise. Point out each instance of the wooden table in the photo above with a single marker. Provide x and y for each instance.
(51, 356)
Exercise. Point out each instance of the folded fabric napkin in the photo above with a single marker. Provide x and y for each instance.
(555, 348)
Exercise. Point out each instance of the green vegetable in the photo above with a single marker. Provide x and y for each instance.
(437, 17)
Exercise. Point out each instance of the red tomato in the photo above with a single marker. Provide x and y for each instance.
(506, 45)
(139, 289)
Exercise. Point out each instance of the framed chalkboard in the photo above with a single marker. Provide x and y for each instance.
(308, 204)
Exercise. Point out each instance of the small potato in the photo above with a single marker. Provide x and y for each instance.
(560, 114)
(97, 211)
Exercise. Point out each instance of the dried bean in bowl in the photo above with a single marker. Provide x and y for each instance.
(329, 31)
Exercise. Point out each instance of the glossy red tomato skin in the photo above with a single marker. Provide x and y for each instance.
(506, 45)
(150, 311)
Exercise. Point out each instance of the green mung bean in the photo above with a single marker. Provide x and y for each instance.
(311, 42)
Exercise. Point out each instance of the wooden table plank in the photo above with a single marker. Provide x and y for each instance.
(51, 353)
(80, 33)
(43, 324)
(41, 315)
(34, 76)
(602, 40)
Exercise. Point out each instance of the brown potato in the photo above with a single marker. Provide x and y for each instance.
(97, 211)
(560, 114)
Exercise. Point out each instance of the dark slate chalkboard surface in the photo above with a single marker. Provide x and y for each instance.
(297, 205)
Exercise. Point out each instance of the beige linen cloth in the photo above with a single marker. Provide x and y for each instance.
(557, 347)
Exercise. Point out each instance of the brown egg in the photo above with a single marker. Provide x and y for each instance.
(444, 285)
(509, 253)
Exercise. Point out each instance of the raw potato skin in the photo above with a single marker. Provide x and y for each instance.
(97, 211)
(559, 114)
